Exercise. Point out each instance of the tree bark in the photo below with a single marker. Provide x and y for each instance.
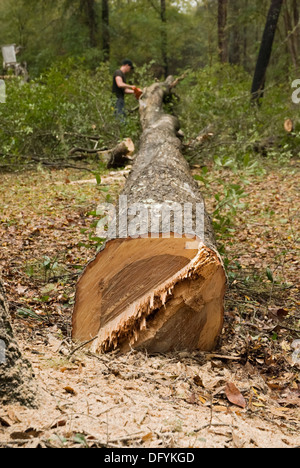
(158, 283)
(105, 30)
(296, 16)
(91, 19)
(164, 37)
(222, 34)
(16, 376)
(264, 55)
(291, 22)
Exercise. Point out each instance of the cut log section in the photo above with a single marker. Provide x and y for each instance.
(288, 125)
(119, 156)
(158, 283)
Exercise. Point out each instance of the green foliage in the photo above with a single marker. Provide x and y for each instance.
(218, 98)
(28, 313)
(49, 265)
(243, 137)
(55, 112)
(52, 31)
(229, 197)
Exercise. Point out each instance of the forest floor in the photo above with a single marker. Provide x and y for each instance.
(244, 394)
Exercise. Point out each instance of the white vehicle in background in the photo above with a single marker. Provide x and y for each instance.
(9, 53)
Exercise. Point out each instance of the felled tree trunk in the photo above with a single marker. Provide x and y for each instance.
(158, 283)
(16, 376)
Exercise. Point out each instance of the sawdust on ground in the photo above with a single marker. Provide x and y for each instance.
(233, 397)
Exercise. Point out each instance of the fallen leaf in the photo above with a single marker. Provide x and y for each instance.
(60, 423)
(4, 423)
(290, 397)
(234, 395)
(70, 390)
(12, 415)
(237, 441)
(198, 381)
(259, 405)
(202, 399)
(282, 313)
(192, 399)
(19, 435)
(148, 436)
(21, 289)
(220, 408)
(25, 435)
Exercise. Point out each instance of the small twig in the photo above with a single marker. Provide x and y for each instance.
(214, 425)
(82, 346)
(211, 409)
(222, 356)
(62, 165)
(134, 109)
(15, 442)
(133, 436)
(86, 150)
(177, 80)
(89, 137)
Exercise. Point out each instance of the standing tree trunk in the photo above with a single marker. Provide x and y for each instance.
(105, 30)
(91, 19)
(291, 22)
(245, 41)
(264, 55)
(222, 33)
(236, 31)
(16, 375)
(296, 16)
(158, 283)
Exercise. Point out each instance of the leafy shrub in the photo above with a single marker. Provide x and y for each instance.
(218, 97)
(51, 114)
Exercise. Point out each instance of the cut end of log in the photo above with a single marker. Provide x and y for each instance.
(155, 293)
(121, 154)
(288, 125)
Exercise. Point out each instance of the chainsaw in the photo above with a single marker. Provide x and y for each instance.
(137, 92)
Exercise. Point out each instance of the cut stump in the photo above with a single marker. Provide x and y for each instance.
(158, 282)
